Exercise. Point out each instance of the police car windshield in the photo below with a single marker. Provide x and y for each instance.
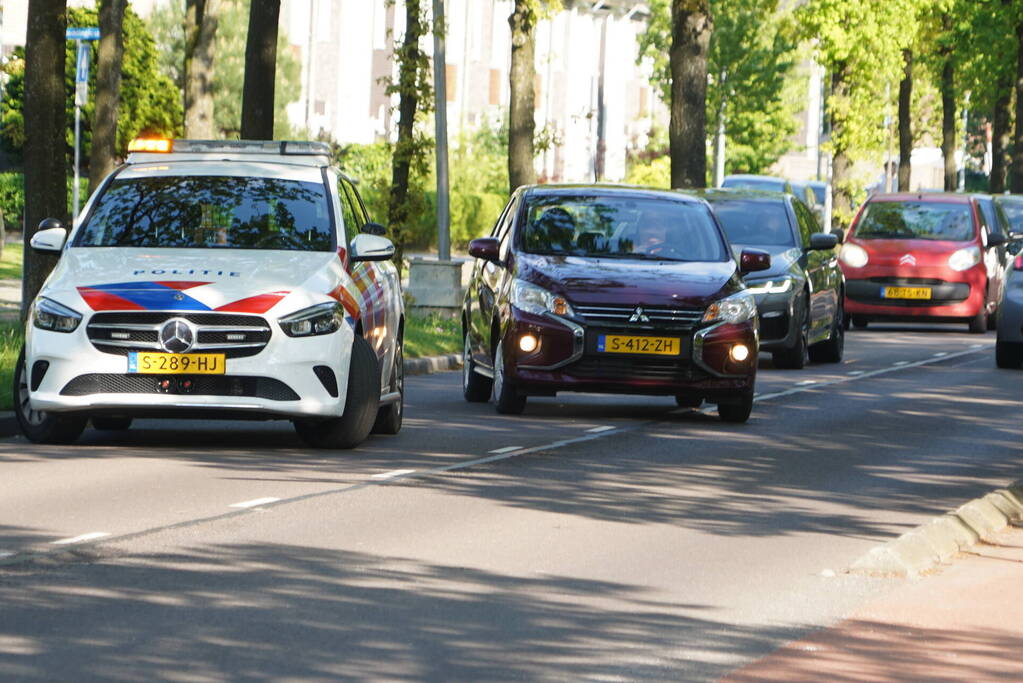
(233, 212)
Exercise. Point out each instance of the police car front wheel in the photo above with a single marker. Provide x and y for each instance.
(39, 426)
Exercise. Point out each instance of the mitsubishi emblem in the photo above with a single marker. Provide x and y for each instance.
(177, 335)
(907, 260)
(639, 316)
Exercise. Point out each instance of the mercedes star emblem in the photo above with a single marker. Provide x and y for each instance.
(177, 335)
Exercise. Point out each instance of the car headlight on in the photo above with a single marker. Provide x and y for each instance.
(315, 320)
(47, 314)
(769, 286)
(736, 308)
(537, 300)
(853, 255)
(964, 259)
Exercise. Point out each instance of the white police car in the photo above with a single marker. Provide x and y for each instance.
(227, 279)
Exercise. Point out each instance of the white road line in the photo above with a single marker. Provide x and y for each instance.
(976, 346)
(392, 474)
(853, 373)
(81, 539)
(595, 430)
(255, 503)
(901, 362)
(806, 382)
(506, 449)
(4, 554)
(940, 354)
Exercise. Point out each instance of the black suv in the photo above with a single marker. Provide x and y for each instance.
(800, 297)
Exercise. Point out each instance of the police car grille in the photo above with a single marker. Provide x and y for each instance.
(674, 317)
(203, 385)
(236, 336)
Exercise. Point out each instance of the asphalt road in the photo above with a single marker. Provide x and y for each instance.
(611, 538)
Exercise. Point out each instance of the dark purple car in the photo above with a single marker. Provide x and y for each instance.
(614, 290)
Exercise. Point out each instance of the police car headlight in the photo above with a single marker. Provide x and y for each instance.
(47, 314)
(532, 299)
(737, 308)
(312, 321)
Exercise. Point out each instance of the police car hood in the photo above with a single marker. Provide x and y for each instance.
(236, 280)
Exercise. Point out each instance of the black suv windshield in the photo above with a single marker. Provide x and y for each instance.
(918, 220)
(620, 227)
(233, 212)
(763, 222)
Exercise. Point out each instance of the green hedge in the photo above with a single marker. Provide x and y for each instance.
(12, 197)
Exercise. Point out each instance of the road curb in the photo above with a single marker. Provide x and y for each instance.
(8, 424)
(430, 364)
(937, 541)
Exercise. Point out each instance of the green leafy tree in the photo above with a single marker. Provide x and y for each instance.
(860, 45)
(752, 83)
(167, 23)
(148, 100)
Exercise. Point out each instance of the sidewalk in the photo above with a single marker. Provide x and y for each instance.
(961, 623)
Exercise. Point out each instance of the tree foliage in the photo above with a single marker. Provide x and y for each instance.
(752, 81)
(148, 99)
(167, 25)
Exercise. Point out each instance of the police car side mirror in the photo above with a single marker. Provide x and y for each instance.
(371, 248)
(372, 228)
(50, 236)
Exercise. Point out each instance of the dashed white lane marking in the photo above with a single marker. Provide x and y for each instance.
(82, 539)
(4, 553)
(976, 346)
(595, 430)
(506, 449)
(901, 362)
(939, 354)
(854, 373)
(392, 474)
(255, 503)
(806, 382)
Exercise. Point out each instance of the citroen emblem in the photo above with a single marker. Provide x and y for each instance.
(907, 260)
(639, 316)
(177, 335)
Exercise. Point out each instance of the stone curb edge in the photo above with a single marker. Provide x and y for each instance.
(430, 364)
(413, 366)
(937, 541)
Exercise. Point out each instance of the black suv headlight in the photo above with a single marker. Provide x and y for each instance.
(315, 320)
(47, 314)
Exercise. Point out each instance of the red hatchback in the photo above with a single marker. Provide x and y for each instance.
(922, 257)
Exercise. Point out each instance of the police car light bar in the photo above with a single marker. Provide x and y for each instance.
(286, 147)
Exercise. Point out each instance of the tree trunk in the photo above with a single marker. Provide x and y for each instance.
(45, 152)
(200, 31)
(1000, 136)
(841, 166)
(522, 78)
(405, 148)
(1017, 148)
(260, 70)
(948, 116)
(905, 122)
(108, 91)
(691, 27)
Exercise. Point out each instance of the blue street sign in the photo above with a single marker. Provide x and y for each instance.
(82, 70)
(82, 33)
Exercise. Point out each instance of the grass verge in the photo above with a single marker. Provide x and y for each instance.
(11, 337)
(10, 263)
(432, 335)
